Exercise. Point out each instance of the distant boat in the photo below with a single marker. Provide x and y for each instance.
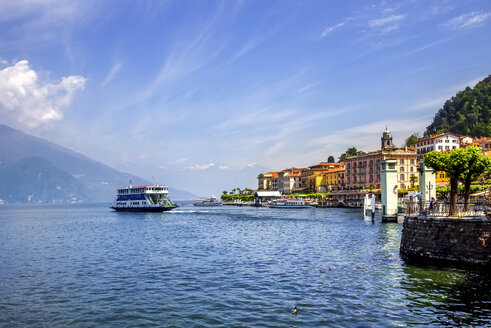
(207, 202)
(143, 199)
(289, 203)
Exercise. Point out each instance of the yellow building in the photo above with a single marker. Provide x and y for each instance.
(441, 179)
(314, 178)
(268, 181)
(335, 178)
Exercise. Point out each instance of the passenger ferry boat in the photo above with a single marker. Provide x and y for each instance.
(289, 203)
(207, 202)
(143, 199)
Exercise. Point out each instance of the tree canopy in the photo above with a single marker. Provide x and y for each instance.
(466, 164)
(352, 151)
(467, 113)
(412, 140)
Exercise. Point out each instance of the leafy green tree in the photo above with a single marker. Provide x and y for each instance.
(454, 164)
(477, 165)
(249, 191)
(413, 180)
(224, 192)
(331, 159)
(352, 151)
(412, 140)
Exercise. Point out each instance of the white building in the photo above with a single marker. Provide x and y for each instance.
(441, 142)
(288, 179)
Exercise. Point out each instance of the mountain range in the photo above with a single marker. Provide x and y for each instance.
(36, 170)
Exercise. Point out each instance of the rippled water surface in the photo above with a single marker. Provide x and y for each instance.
(229, 266)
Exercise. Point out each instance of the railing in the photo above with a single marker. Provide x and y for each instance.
(440, 209)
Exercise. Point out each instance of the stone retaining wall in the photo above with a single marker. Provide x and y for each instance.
(457, 242)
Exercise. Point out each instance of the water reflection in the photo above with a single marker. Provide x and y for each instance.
(450, 297)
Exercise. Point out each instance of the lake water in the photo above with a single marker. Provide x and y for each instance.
(87, 266)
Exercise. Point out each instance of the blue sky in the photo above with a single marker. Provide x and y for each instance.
(184, 90)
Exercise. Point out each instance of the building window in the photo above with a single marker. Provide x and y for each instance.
(402, 168)
(402, 177)
(402, 161)
(412, 162)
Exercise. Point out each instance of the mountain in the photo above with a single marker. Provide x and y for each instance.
(98, 180)
(36, 180)
(467, 113)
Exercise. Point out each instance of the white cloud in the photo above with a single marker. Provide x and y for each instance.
(224, 167)
(179, 161)
(32, 103)
(334, 27)
(200, 167)
(470, 20)
(367, 137)
(433, 104)
(385, 20)
(112, 74)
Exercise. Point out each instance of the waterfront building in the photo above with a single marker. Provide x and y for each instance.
(289, 180)
(314, 178)
(268, 181)
(441, 142)
(335, 178)
(263, 197)
(363, 170)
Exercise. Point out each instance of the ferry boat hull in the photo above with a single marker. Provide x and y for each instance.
(289, 206)
(143, 209)
(289, 203)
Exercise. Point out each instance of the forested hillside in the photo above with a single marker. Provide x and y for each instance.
(467, 113)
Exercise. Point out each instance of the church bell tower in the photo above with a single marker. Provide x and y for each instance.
(387, 140)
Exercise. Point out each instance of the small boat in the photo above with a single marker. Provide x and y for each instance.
(143, 199)
(207, 202)
(289, 203)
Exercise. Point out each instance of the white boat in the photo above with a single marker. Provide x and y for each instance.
(143, 199)
(207, 202)
(289, 203)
